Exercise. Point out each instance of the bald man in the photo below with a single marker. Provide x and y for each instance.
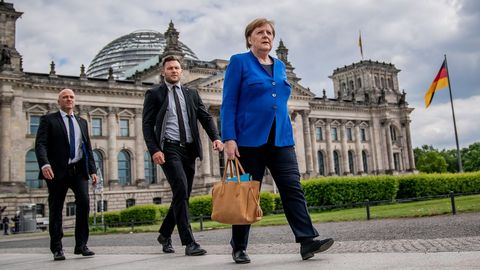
(65, 158)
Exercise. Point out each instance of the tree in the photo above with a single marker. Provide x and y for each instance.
(450, 157)
(471, 157)
(429, 160)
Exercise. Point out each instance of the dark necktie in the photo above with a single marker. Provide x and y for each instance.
(181, 123)
(71, 132)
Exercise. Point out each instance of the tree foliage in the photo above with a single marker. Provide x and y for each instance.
(430, 160)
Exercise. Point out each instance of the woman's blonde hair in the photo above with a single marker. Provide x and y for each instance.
(255, 24)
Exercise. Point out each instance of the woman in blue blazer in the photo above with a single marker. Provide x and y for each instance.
(256, 128)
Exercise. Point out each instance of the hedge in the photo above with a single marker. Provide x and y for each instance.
(348, 190)
(324, 191)
(140, 214)
(422, 185)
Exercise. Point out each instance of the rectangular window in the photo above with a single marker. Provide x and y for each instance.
(34, 124)
(124, 130)
(318, 134)
(130, 202)
(96, 126)
(334, 134)
(363, 135)
(99, 206)
(349, 134)
(71, 209)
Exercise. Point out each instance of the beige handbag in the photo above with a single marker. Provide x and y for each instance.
(236, 199)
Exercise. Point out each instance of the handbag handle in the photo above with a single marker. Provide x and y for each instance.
(229, 165)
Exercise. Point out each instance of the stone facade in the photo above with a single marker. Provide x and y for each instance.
(363, 130)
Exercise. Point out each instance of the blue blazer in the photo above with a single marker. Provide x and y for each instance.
(252, 99)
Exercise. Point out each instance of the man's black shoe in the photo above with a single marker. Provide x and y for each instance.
(309, 248)
(84, 251)
(194, 249)
(166, 243)
(58, 255)
(240, 256)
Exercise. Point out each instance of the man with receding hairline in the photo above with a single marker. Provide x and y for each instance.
(65, 157)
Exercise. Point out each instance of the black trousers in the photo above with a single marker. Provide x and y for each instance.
(282, 163)
(57, 191)
(179, 168)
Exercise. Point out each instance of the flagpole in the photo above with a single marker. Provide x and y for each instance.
(459, 157)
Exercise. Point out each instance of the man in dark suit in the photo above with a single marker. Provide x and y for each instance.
(65, 158)
(170, 130)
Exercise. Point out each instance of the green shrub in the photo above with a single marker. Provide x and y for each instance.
(201, 205)
(278, 202)
(140, 214)
(267, 203)
(348, 190)
(162, 210)
(422, 185)
(112, 218)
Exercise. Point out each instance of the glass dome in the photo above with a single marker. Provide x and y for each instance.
(128, 51)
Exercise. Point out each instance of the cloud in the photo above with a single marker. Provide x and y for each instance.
(320, 35)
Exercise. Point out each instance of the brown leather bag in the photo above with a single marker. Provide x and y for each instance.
(238, 201)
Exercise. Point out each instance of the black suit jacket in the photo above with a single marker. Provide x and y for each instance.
(52, 146)
(154, 111)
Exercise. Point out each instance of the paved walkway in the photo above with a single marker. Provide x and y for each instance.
(444, 242)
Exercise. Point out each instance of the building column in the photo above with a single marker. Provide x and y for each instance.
(7, 185)
(314, 146)
(112, 148)
(307, 143)
(139, 150)
(205, 165)
(409, 150)
(391, 165)
(299, 151)
(376, 146)
(343, 143)
(358, 150)
(329, 155)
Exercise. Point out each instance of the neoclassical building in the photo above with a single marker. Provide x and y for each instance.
(363, 130)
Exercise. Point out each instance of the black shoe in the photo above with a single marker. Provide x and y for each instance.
(240, 256)
(58, 255)
(84, 251)
(166, 243)
(194, 249)
(309, 248)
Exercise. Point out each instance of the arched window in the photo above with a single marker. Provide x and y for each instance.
(351, 85)
(377, 82)
(336, 162)
(343, 87)
(98, 157)
(32, 170)
(390, 83)
(351, 162)
(150, 169)
(359, 83)
(365, 161)
(393, 133)
(124, 168)
(321, 163)
(382, 82)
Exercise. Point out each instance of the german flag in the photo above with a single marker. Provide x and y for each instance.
(440, 82)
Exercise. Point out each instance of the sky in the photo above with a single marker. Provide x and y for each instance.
(321, 35)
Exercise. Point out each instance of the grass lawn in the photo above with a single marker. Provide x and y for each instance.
(398, 210)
